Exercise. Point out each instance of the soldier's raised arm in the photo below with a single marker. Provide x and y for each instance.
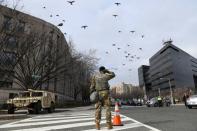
(109, 74)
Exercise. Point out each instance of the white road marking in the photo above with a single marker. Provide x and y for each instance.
(58, 115)
(44, 123)
(78, 119)
(56, 118)
(118, 128)
(66, 126)
(147, 126)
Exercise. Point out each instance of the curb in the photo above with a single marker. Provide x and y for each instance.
(3, 112)
(13, 116)
(5, 116)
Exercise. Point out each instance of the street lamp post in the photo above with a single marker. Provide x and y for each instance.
(170, 90)
(159, 91)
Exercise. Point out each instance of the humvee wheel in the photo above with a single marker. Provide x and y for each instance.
(37, 107)
(10, 109)
(30, 111)
(51, 108)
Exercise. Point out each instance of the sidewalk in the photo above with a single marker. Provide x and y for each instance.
(179, 104)
(5, 116)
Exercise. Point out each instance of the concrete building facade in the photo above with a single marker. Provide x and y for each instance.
(170, 66)
(25, 24)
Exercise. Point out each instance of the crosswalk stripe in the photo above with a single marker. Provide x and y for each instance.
(56, 118)
(48, 116)
(70, 120)
(126, 126)
(45, 122)
(66, 126)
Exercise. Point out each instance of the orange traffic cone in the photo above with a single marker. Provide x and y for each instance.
(117, 119)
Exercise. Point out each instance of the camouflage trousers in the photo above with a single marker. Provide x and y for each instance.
(104, 100)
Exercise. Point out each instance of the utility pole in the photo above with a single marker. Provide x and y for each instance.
(171, 96)
(159, 91)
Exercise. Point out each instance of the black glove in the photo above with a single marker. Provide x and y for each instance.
(92, 90)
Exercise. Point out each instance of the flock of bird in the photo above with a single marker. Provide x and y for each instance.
(128, 55)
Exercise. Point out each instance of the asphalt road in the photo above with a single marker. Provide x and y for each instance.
(176, 118)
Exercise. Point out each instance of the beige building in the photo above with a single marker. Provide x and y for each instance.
(122, 88)
(26, 24)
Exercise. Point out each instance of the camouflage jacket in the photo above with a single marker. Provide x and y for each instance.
(100, 81)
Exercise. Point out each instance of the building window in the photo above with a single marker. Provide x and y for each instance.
(7, 23)
(21, 26)
(55, 84)
(7, 60)
(11, 44)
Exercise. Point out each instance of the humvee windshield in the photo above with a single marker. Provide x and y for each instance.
(36, 94)
(24, 94)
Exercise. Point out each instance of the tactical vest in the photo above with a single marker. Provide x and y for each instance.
(101, 81)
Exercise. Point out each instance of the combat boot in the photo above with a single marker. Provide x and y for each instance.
(109, 126)
(98, 126)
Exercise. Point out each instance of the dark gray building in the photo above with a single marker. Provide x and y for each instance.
(169, 66)
(144, 77)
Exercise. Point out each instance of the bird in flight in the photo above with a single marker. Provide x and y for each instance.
(51, 15)
(44, 7)
(60, 24)
(115, 15)
(65, 33)
(63, 20)
(132, 31)
(71, 2)
(117, 3)
(142, 36)
(118, 48)
(107, 52)
(57, 15)
(128, 45)
(140, 48)
(123, 64)
(84, 27)
(119, 31)
(113, 44)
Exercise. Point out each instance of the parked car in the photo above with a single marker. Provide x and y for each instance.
(138, 102)
(124, 102)
(192, 101)
(153, 102)
(167, 101)
(135, 102)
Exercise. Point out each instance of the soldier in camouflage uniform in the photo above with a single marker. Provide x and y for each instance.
(100, 83)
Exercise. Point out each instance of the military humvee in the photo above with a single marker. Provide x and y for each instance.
(32, 100)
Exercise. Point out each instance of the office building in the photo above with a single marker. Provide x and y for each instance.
(170, 67)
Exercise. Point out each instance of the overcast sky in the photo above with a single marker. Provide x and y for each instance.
(157, 20)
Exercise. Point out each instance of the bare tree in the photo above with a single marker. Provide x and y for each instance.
(33, 59)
